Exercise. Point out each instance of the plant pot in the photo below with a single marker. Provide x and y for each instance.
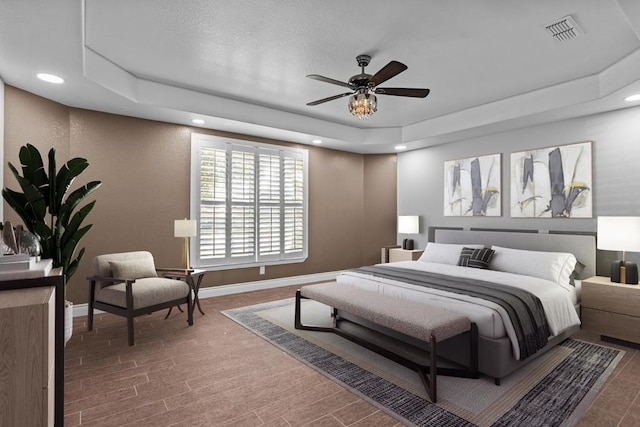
(68, 321)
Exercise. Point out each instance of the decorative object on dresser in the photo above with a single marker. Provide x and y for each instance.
(611, 309)
(472, 186)
(552, 182)
(185, 228)
(408, 224)
(620, 233)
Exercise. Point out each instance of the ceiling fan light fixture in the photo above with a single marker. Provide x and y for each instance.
(363, 105)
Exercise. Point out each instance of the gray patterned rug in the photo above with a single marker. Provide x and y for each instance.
(553, 390)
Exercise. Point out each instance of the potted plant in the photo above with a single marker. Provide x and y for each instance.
(46, 206)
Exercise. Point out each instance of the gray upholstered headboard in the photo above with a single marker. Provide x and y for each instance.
(583, 246)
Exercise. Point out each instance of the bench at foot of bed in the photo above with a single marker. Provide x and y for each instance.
(428, 324)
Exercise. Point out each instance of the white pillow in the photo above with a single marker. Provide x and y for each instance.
(554, 266)
(444, 253)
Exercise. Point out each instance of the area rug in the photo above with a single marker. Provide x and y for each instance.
(553, 390)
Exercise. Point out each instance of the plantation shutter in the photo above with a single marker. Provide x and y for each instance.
(250, 202)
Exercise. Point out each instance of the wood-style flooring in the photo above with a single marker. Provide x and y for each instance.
(219, 373)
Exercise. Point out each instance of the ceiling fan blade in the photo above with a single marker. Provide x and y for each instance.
(392, 69)
(328, 80)
(331, 98)
(400, 91)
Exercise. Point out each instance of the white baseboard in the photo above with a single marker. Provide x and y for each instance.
(238, 288)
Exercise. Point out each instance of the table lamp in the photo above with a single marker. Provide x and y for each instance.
(185, 228)
(408, 224)
(620, 233)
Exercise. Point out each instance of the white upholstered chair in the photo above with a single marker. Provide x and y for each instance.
(127, 284)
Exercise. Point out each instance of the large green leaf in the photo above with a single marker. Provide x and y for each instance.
(19, 203)
(74, 199)
(36, 203)
(70, 230)
(64, 179)
(69, 248)
(33, 168)
(72, 266)
(52, 182)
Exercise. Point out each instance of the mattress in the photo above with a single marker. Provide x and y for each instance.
(493, 322)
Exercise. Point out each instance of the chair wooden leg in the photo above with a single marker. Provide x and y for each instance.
(190, 308)
(130, 314)
(92, 294)
(130, 329)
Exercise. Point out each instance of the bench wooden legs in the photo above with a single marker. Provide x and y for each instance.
(298, 323)
(428, 373)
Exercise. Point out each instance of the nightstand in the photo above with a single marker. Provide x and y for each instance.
(399, 254)
(611, 309)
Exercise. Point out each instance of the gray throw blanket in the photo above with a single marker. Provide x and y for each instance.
(524, 309)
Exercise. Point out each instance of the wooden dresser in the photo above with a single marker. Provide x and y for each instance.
(32, 351)
(611, 309)
(27, 356)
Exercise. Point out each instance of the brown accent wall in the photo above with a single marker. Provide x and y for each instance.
(144, 168)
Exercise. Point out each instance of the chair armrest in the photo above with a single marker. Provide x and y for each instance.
(109, 279)
(175, 270)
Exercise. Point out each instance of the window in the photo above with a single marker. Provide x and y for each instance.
(250, 201)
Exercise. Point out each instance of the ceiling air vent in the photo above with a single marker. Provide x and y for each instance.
(564, 29)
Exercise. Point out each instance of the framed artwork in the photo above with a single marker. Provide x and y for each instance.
(472, 186)
(553, 182)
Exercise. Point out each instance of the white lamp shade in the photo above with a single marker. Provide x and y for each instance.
(619, 233)
(185, 228)
(409, 224)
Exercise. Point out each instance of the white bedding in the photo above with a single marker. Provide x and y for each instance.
(491, 319)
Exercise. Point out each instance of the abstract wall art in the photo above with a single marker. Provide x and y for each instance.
(472, 186)
(552, 182)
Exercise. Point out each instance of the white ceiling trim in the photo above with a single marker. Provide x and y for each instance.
(231, 115)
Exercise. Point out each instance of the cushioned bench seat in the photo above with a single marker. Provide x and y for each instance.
(430, 325)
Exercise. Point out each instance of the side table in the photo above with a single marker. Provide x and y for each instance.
(399, 254)
(612, 310)
(193, 278)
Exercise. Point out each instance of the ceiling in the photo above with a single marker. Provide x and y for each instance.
(241, 65)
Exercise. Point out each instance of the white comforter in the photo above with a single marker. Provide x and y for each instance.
(556, 300)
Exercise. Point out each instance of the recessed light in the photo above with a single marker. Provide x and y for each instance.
(50, 78)
(632, 98)
(400, 147)
(317, 141)
(198, 121)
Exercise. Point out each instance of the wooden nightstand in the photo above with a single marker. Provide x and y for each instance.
(611, 309)
(399, 254)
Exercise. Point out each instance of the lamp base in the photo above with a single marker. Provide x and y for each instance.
(407, 244)
(624, 272)
(185, 254)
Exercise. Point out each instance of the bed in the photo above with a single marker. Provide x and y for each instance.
(567, 258)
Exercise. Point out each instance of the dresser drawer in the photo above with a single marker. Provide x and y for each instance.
(611, 324)
(613, 297)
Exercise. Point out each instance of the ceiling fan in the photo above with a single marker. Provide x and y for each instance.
(363, 102)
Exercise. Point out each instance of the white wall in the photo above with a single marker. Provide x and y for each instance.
(616, 171)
